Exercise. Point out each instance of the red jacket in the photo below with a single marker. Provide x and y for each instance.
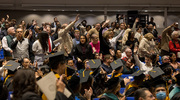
(172, 48)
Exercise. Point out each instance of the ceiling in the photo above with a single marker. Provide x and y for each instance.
(91, 5)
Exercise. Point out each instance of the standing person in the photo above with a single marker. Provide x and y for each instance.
(166, 37)
(77, 37)
(7, 42)
(94, 30)
(64, 39)
(40, 47)
(132, 42)
(146, 46)
(50, 41)
(20, 46)
(95, 43)
(174, 44)
(83, 51)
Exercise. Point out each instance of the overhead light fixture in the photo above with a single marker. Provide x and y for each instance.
(90, 10)
(49, 10)
(77, 10)
(34, 9)
(145, 10)
(62, 10)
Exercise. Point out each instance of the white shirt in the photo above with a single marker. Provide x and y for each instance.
(5, 44)
(142, 65)
(113, 41)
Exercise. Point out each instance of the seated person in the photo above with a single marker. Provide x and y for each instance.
(106, 64)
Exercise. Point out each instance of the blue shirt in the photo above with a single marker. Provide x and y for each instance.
(106, 68)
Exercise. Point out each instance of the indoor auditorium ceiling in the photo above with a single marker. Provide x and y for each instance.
(91, 5)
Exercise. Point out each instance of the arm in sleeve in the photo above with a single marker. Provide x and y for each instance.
(137, 61)
(14, 44)
(5, 45)
(61, 33)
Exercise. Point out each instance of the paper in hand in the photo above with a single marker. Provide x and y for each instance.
(48, 86)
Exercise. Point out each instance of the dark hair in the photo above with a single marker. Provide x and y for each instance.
(43, 39)
(23, 81)
(88, 26)
(170, 55)
(3, 91)
(86, 85)
(140, 93)
(85, 39)
(129, 34)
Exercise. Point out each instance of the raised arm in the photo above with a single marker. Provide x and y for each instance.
(60, 33)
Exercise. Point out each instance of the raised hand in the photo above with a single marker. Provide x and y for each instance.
(60, 85)
(77, 18)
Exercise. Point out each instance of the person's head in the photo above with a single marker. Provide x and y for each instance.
(130, 35)
(13, 21)
(139, 30)
(130, 62)
(97, 26)
(113, 86)
(11, 31)
(64, 26)
(122, 26)
(143, 94)
(86, 64)
(160, 91)
(165, 59)
(108, 58)
(19, 32)
(148, 59)
(152, 19)
(84, 22)
(48, 29)
(83, 39)
(117, 25)
(97, 56)
(55, 19)
(70, 62)
(6, 25)
(43, 39)
(88, 27)
(128, 52)
(172, 57)
(149, 36)
(77, 34)
(118, 53)
(108, 34)
(26, 62)
(74, 84)
(94, 38)
(87, 84)
(23, 23)
(3, 20)
(23, 81)
(58, 64)
(175, 35)
(150, 27)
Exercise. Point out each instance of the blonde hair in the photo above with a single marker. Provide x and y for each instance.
(149, 36)
(106, 33)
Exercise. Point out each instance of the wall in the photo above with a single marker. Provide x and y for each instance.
(91, 17)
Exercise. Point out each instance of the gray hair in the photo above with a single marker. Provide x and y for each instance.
(163, 57)
(174, 33)
(10, 28)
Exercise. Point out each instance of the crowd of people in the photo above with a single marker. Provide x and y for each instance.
(90, 60)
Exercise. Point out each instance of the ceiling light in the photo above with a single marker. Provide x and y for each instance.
(145, 10)
(77, 10)
(49, 10)
(62, 10)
